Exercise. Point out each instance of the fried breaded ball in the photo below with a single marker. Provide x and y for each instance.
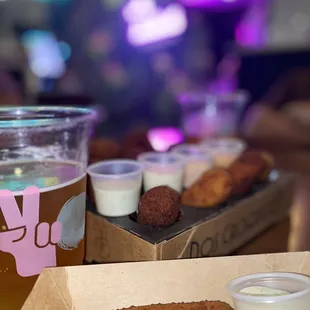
(159, 206)
(246, 170)
(211, 189)
(203, 305)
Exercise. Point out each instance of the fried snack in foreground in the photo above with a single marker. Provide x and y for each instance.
(211, 189)
(203, 305)
(246, 170)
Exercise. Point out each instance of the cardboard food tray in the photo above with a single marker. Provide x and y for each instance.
(114, 286)
(199, 232)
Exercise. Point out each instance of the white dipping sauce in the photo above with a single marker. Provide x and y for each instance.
(271, 291)
(193, 171)
(170, 177)
(224, 151)
(117, 197)
(261, 291)
(196, 162)
(223, 159)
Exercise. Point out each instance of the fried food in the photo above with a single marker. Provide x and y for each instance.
(203, 305)
(211, 189)
(159, 206)
(246, 170)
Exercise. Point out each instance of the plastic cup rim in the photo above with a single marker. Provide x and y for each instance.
(268, 299)
(220, 144)
(142, 158)
(201, 155)
(43, 116)
(139, 169)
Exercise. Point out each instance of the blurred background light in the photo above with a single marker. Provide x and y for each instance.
(138, 10)
(154, 24)
(65, 49)
(212, 3)
(112, 4)
(100, 42)
(44, 54)
(251, 30)
(57, 2)
(161, 139)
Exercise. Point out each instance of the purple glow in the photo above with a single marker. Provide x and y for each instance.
(138, 10)
(216, 4)
(252, 31)
(162, 139)
(149, 24)
(208, 3)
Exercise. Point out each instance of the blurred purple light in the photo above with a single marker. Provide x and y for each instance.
(149, 24)
(213, 3)
(162, 139)
(252, 31)
(138, 10)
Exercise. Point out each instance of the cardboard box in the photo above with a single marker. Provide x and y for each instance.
(199, 233)
(111, 287)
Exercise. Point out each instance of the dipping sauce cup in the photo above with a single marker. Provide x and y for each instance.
(162, 169)
(271, 291)
(223, 150)
(117, 186)
(196, 162)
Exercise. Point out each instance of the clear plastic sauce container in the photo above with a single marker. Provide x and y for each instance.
(117, 186)
(162, 169)
(271, 291)
(224, 151)
(197, 162)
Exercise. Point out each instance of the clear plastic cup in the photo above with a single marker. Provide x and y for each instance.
(223, 150)
(297, 287)
(197, 162)
(210, 114)
(162, 169)
(117, 186)
(43, 156)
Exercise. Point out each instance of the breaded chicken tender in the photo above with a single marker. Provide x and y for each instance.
(246, 170)
(203, 305)
(211, 189)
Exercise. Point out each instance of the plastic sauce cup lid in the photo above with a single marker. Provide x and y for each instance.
(159, 159)
(297, 285)
(229, 145)
(115, 169)
(192, 151)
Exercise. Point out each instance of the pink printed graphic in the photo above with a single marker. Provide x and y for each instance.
(31, 243)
